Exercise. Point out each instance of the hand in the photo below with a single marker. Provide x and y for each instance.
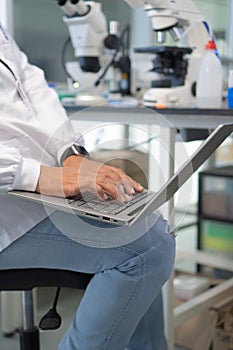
(80, 174)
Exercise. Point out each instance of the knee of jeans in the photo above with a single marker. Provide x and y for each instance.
(154, 262)
(160, 258)
(134, 267)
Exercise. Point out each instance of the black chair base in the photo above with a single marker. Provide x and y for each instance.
(27, 279)
(30, 339)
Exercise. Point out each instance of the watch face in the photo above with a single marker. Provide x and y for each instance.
(81, 150)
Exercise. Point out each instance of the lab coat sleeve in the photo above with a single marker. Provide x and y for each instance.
(14, 171)
(54, 124)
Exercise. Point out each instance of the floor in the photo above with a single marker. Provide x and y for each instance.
(67, 303)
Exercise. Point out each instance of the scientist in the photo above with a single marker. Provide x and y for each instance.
(122, 307)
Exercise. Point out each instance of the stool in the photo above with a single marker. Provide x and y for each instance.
(25, 280)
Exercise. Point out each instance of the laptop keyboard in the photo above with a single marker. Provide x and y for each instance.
(89, 200)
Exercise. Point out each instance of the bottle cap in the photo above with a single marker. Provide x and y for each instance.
(210, 45)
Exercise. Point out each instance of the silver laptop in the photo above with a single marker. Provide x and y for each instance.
(142, 203)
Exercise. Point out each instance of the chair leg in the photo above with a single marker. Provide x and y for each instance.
(29, 334)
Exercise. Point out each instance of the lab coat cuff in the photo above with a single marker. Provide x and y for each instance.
(27, 176)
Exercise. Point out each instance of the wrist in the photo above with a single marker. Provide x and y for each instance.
(69, 161)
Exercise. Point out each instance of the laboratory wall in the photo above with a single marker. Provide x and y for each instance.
(40, 32)
(215, 11)
(219, 15)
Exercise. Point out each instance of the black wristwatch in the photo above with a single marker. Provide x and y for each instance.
(74, 150)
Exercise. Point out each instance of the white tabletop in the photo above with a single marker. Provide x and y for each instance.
(168, 117)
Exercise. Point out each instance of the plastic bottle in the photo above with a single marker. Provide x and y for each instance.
(230, 90)
(210, 79)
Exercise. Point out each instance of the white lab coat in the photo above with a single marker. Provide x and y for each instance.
(34, 130)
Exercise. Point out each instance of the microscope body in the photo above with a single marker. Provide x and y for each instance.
(175, 66)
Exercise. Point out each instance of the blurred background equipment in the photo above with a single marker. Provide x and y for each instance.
(43, 43)
(175, 66)
(99, 51)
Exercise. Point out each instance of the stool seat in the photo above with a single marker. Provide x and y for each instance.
(25, 279)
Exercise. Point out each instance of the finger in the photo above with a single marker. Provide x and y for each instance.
(136, 185)
(120, 179)
(107, 186)
(112, 190)
(122, 192)
(101, 193)
(130, 184)
(112, 173)
(126, 186)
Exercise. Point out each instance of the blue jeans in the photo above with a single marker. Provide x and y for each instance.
(122, 305)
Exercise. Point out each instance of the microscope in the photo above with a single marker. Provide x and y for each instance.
(98, 49)
(175, 66)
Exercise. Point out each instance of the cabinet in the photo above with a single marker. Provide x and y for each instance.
(215, 213)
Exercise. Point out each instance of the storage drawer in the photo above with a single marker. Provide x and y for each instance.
(217, 237)
(217, 197)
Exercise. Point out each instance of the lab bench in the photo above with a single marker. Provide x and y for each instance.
(202, 118)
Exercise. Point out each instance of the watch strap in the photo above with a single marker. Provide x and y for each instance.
(74, 150)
